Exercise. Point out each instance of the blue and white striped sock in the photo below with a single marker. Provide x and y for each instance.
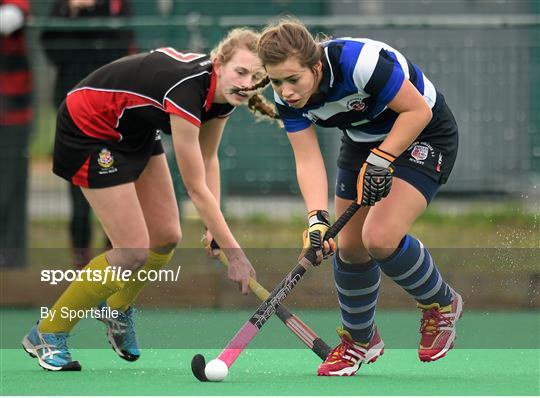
(357, 290)
(412, 267)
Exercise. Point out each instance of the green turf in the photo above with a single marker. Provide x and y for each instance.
(475, 368)
(279, 372)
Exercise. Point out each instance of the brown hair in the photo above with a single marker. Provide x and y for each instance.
(224, 51)
(289, 38)
(277, 43)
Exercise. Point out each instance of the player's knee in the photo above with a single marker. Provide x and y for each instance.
(351, 247)
(130, 258)
(169, 240)
(138, 257)
(379, 241)
(353, 255)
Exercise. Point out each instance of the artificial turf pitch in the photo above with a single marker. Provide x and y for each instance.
(267, 368)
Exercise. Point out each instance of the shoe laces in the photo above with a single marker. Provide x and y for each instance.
(432, 320)
(129, 326)
(59, 342)
(337, 353)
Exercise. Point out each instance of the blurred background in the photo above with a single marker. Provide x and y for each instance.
(483, 55)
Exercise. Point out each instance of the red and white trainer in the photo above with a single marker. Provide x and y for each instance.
(438, 328)
(346, 358)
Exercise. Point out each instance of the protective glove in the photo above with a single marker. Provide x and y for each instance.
(375, 178)
(314, 235)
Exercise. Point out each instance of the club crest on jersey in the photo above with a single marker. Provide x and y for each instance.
(105, 158)
(420, 152)
(356, 104)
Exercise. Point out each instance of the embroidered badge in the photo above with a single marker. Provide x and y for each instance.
(356, 104)
(420, 152)
(106, 161)
(105, 158)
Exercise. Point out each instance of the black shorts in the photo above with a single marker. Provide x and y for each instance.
(426, 164)
(94, 163)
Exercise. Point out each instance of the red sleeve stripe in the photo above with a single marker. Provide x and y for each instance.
(15, 83)
(171, 107)
(80, 178)
(180, 56)
(97, 112)
(150, 100)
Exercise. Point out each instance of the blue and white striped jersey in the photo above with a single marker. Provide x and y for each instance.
(360, 78)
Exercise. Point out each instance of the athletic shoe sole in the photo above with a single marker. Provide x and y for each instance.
(124, 355)
(376, 351)
(30, 350)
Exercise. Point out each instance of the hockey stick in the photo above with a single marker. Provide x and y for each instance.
(219, 367)
(294, 323)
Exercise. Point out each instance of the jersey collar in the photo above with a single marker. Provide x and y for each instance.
(331, 75)
(328, 81)
(211, 91)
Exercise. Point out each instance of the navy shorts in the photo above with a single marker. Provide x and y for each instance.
(426, 164)
(346, 182)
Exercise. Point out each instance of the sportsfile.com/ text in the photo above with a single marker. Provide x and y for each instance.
(54, 276)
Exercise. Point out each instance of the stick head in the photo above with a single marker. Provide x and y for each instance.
(198, 364)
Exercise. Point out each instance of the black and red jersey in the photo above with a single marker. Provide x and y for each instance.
(134, 95)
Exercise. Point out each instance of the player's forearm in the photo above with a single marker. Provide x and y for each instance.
(209, 210)
(213, 177)
(406, 129)
(313, 183)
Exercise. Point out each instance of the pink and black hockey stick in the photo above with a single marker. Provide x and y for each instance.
(269, 306)
(292, 321)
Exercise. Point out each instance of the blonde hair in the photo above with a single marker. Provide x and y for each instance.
(236, 38)
(224, 51)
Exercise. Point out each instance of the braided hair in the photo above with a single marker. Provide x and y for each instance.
(247, 38)
(257, 104)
